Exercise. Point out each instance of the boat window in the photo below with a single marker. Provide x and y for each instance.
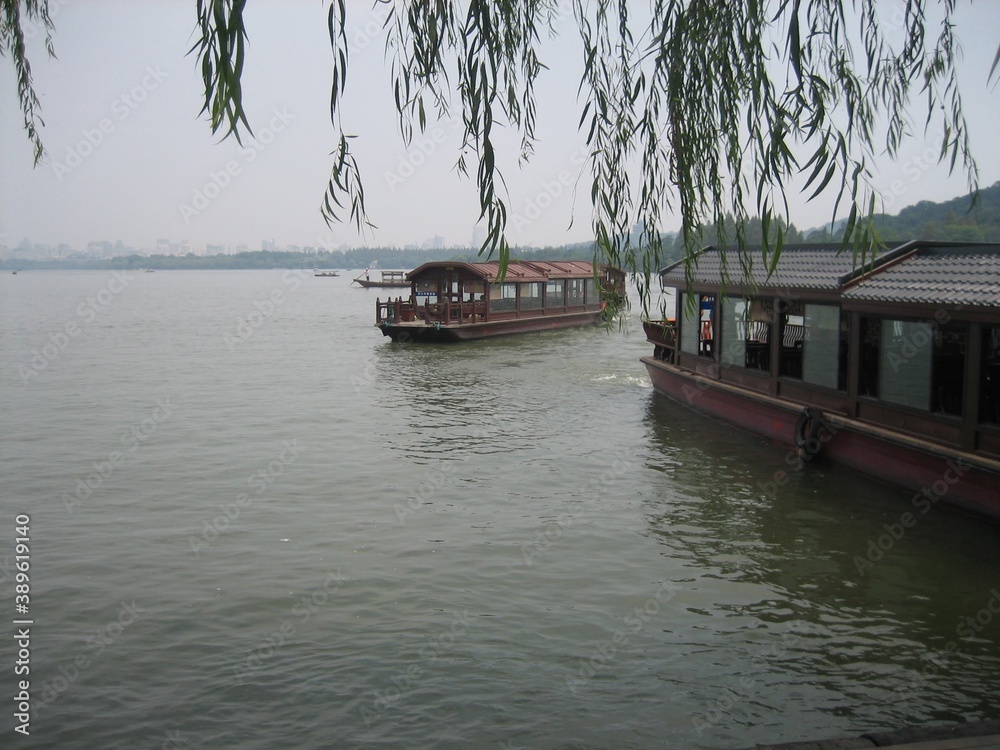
(989, 376)
(792, 336)
(503, 297)
(531, 295)
(822, 346)
(905, 358)
(915, 363)
(555, 293)
(689, 323)
(593, 295)
(473, 289)
(706, 325)
(948, 368)
(574, 292)
(759, 321)
(734, 326)
(871, 336)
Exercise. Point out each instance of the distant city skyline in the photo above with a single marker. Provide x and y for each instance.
(129, 159)
(166, 246)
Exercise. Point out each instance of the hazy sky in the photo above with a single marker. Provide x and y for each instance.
(129, 159)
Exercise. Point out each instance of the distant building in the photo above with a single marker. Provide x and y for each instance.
(99, 249)
(478, 236)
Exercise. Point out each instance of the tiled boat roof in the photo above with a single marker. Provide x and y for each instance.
(517, 270)
(799, 267)
(936, 274)
(915, 272)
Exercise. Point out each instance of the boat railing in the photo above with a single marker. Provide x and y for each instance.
(452, 312)
(394, 311)
(663, 335)
(404, 311)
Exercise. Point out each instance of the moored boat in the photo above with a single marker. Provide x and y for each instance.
(891, 367)
(451, 301)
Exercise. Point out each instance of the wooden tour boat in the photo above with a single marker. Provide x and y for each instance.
(891, 367)
(388, 280)
(452, 301)
(317, 272)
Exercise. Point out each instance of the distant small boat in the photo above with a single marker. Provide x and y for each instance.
(317, 272)
(389, 280)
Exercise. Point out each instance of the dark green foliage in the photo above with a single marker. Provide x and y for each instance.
(15, 17)
(957, 220)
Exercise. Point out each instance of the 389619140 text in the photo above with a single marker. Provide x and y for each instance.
(22, 623)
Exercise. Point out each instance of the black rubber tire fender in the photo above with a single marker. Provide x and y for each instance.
(807, 429)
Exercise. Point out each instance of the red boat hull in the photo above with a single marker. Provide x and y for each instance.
(934, 474)
(423, 332)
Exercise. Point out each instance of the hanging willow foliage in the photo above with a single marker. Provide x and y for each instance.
(702, 108)
(15, 20)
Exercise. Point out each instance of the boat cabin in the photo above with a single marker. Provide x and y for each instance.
(453, 294)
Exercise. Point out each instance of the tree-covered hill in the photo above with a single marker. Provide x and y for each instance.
(955, 220)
